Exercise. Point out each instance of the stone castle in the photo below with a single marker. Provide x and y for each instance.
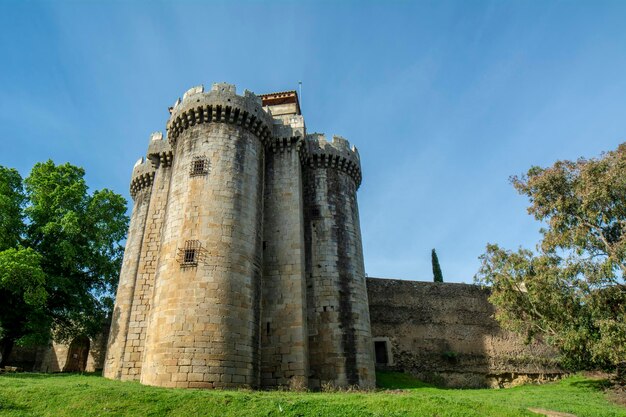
(244, 268)
(243, 263)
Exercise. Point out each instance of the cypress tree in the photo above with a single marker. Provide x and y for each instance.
(437, 275)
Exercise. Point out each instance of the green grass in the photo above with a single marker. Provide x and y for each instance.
(90, 395)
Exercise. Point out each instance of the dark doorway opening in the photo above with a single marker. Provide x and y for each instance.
(380, 348)
(77, 355)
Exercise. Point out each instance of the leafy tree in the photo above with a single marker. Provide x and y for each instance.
(23, 294)
(11, 201)
(61, 256)
(437, 275)
(571, 290)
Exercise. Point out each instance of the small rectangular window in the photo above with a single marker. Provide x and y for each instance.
(190, 256)
(190, 253)
(199, 166)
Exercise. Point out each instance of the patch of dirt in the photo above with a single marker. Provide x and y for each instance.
(550, 413)
(597, 375)
(395, 391)
(614, 389)
(617, 394)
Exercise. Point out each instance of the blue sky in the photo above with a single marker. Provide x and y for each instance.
(445, 100)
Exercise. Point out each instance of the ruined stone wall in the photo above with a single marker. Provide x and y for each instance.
(340, 349)
(284, 344)
(204, 325)
(97, 352)
(54, 357)
(445, 333)
(27, 358)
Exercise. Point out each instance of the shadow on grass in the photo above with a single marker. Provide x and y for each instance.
(96, 374)
(7, 405)
(398, 380)
(390, 380)
(593, 384)
(39, 375)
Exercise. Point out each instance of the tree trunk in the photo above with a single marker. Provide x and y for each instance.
(620, 373)
(6, 346)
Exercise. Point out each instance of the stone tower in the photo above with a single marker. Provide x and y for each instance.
(243, 263)
(338, 312)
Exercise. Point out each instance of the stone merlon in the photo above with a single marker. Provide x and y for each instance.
(143, 175)
(159, 150)
(337, 154)
(289, 130)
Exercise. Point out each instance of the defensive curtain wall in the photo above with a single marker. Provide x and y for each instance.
(445, 333)
(80, 355)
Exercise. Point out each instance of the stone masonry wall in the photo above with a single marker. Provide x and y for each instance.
(28, 358)
(284, 353)
(144, 286)
(204, 326)
(125, 289)
(340, 349)
(445, 333)
(54, 357)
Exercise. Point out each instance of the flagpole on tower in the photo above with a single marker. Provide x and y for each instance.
(300, 94)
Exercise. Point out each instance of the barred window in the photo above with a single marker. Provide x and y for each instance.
(199, 166)
(189, 255)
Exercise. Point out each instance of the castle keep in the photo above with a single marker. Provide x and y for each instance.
(243, 263)
(244, 268)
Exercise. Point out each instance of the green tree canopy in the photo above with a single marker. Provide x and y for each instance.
(437, 274)
(571, 290)
(23, 294)
(11, 201)
(60, 254)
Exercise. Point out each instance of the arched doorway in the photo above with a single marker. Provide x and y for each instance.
(77, 355)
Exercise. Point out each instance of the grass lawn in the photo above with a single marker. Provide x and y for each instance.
(91, 395)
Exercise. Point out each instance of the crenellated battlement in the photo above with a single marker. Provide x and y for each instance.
(288, 131)
(219, 105)
(160, 151)
(337, 154)
(143, 176)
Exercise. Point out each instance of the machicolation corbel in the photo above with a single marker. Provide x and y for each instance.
(337, 154)
(160, 151)
(220, 105)
(142, 178)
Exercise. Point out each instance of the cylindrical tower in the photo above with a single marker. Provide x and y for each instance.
(160, 154)
(340, 347)
(140, 191)
(203, 328)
